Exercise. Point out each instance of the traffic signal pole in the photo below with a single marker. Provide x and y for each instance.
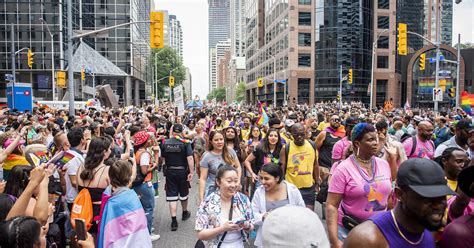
(438, 41)
(13, 62)
(458, 73)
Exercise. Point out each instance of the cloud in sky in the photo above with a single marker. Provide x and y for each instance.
(463, 21)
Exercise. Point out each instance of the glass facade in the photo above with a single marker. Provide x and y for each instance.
(343, 38)
(424, 81)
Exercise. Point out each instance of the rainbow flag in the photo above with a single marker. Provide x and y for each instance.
(62, 159)
(263, 118)
(467, 102)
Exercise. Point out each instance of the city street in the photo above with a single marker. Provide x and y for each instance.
(185, 237)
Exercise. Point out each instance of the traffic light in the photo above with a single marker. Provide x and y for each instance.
(349, 79)
(30, 58)
(61, 79)
(402, 39)
(452, 92)
(83, 74)
(171, 81)
(338, 97)
(156, 30)
(260, 82)
(422, 61)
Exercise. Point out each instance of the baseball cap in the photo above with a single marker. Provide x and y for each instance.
(465, 180)
(350, 121)
(177, 128)
(289, 122)
(423, 176)
(465, 124)
(301, 228)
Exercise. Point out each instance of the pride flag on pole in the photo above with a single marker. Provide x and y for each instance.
(467, 101)
(263, 118)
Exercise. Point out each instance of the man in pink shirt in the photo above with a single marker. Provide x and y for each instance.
(340, 148)
(421, 145)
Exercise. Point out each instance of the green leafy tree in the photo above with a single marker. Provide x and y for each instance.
(240, 92)
(167, 59)
(217, 93)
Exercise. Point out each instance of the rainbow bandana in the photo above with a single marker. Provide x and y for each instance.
(185, 141)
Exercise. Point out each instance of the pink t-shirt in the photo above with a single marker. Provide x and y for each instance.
(360, 198)
(467, 210)
(340, 148)
(422, 150)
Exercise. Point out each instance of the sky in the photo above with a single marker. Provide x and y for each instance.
(193, 17)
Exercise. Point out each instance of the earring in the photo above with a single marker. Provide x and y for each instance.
(357, 152)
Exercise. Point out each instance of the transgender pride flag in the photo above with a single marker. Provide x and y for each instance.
(123, 222)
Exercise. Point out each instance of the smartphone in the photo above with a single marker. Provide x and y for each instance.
(80, 229)
(239, 221)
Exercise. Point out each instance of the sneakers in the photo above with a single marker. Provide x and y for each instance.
(174, 226)
(154, 237)
(186, 215)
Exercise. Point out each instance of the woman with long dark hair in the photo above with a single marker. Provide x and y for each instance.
(94, 174)
(218, 154)
(268, 151)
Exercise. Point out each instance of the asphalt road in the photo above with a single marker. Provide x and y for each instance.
(185, 236)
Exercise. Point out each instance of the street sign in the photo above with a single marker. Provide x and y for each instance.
(433, 59)
(283, 81)
(437, 94)
(8, 77)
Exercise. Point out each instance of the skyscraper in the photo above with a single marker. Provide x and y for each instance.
(343, 40)
(216, 54)
(173, 33)
(237, 28)
(219, 21)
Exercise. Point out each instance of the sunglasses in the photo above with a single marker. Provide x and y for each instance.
(336, 120)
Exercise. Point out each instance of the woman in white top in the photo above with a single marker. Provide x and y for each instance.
(272, 194)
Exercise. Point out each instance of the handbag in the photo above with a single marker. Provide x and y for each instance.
(200, 244)
(348, 221)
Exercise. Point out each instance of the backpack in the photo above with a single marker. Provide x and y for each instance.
(82, 206)
(82, 209)
(413, 147)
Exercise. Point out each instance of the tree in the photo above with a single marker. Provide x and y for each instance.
(217, 93)
(167, 59)
(240, 92)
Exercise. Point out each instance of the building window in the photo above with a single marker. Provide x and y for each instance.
(383, 4)
(303, 90)
(382, 62)
(383, 22)
(304, 2)
(304, 60)
(304, 39)
(304, 18)
(382, 42)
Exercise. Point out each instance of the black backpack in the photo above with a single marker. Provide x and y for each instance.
(413, 147)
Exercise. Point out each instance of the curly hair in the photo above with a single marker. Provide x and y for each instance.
(95, 155)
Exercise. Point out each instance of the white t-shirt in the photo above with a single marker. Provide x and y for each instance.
(72, 167)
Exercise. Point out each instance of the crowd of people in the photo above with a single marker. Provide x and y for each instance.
(384, 178)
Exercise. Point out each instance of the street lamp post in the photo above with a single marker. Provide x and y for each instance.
(156, 74)
(274, 78)
(374, 51)
(53, 78)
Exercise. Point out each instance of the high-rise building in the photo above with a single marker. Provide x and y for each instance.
(237, 28)
(236, 76)
(173, 33)
(219, 21)
(219, 31)
(343, 41)
(216, 54)
(280, 45)
(126, 47)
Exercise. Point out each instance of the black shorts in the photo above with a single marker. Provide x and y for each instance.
(308, 194)
(177, 185)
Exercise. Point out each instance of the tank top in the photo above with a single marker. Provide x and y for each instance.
(325, 152)
(384, 221)
(299, 169)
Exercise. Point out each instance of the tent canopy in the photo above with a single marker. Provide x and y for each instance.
(194, 104)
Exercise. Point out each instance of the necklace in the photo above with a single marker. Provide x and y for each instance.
(403, 236)
(363, 160)
(362, 173)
